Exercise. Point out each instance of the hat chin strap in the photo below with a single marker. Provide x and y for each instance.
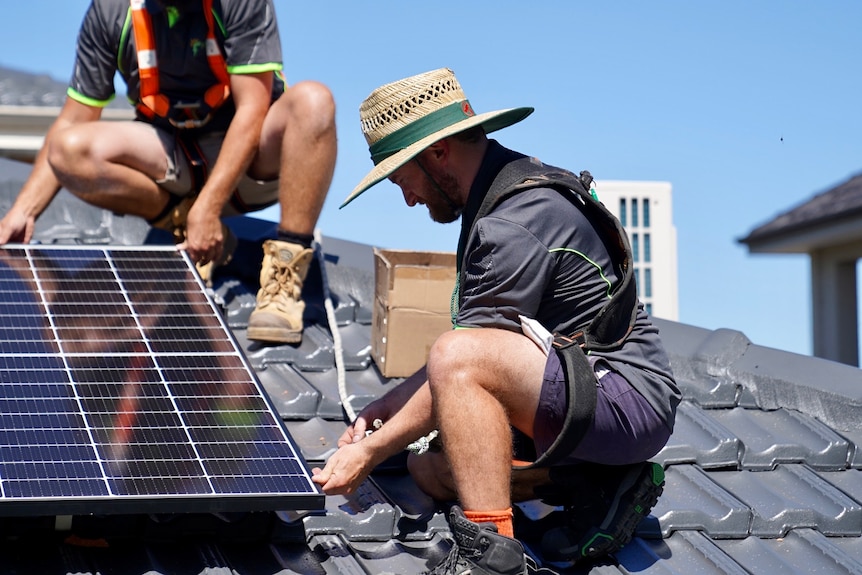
(455, 209)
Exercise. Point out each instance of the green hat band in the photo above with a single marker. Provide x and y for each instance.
(418, 129)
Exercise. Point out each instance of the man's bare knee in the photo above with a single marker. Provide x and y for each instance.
(312, 101)
(66, 152)
(450, 359)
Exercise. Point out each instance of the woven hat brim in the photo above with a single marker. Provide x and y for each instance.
(491, 121)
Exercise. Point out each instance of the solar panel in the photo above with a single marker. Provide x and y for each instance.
(123, 390)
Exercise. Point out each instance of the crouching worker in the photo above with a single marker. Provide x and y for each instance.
(217, 133)
(550, 342)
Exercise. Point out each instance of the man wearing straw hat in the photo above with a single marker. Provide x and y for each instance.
(551, 344)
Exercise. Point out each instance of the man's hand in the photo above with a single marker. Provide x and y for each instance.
(204, 233)
(16, 228)
(369, 419)
(345, 470)
(352, 463)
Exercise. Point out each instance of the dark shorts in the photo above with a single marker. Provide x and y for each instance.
(626, 429)
(250, 194)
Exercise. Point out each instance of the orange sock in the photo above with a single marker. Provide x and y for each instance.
(502, 518)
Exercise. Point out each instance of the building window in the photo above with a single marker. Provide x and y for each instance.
(638, 280)
(647, 256)
(646, 212)
(634, 212)
(636, 247)
(623, 211)
(648, 308)
(647, 282)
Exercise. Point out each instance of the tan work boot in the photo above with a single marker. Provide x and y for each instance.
(175, 223)
(278, 315)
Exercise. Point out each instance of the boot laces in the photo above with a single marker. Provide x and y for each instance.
(280, 282)
(449, 566)
(458, 561)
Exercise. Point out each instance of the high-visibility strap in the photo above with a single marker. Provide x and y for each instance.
(214, 55)
(152, 101)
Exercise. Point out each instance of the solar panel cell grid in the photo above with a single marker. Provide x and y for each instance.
(121, 389)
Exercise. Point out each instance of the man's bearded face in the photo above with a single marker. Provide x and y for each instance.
(439, 209)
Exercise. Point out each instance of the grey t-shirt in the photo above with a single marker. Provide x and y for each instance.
(246, 31)
(537, 255)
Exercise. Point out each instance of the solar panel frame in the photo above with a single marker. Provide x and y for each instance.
(122, 390)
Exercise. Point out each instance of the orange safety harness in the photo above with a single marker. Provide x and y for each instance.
(152, 102)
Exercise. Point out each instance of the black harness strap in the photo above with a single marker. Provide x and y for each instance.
(581, 402)
(199, 169)
(614, 322)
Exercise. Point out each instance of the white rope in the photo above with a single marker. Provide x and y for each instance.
(421, 445)
(337, 347)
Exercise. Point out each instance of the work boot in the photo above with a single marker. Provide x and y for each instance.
(278, 314)
(175, 223)
(620, 498)
(479, 550)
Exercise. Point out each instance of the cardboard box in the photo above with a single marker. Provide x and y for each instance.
(412, 296)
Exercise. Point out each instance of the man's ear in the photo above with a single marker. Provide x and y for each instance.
(439, 152)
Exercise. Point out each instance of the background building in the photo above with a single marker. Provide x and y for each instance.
(827, 227)
(646, 211)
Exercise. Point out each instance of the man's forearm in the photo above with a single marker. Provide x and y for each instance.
(251, 95)
(237, 152)
(42, 185)
(413, 420)
(39, 189)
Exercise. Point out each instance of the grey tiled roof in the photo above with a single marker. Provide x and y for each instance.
(20, 88)
(841, 202)
(763, 471)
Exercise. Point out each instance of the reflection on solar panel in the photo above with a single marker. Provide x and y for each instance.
(122, 390)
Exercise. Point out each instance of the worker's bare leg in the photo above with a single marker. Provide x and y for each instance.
(112, 165)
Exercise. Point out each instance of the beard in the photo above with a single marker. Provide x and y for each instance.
(440, 210)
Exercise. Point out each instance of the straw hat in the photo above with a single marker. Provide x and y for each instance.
(403, 118)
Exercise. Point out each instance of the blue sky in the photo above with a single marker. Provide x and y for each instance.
(746, 108)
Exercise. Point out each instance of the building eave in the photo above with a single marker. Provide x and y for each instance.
(808, 238)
